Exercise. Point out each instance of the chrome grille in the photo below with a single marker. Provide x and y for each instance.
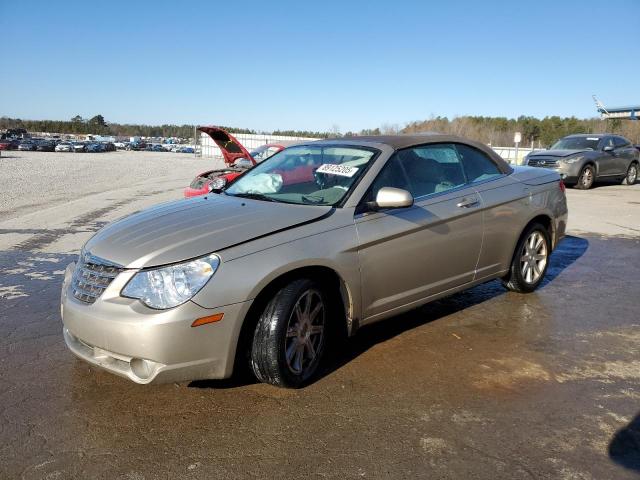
(543, 162)
(92, 276)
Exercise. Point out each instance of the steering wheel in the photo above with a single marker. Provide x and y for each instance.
(321, 179)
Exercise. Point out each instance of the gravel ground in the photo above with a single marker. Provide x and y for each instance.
(34, 180)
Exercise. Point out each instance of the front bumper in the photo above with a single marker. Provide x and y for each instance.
(128, 339)
(569, 172)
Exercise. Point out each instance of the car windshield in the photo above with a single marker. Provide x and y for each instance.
(576, 143)
(305, 175)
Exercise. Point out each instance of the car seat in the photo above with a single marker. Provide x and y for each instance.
(425, 174)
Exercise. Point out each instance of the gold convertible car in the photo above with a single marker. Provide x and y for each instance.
(309, 245)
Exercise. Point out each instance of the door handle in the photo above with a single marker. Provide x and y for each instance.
(468, 203)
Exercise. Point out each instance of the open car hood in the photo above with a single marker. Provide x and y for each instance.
(231, 148)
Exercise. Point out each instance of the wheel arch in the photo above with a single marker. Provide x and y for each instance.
(545, 220)
(591, 162)
(329, 277)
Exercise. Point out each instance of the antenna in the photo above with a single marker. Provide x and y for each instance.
(601, 108)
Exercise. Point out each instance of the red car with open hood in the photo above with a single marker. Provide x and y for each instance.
(237, 158)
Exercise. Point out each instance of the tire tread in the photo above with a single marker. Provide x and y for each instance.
(265, 349)
(514, 281)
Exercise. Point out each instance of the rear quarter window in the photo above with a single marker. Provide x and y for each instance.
(477, 165)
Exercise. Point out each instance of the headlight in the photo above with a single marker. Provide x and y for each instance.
(217, 183)
(571, 159)
(173, 285)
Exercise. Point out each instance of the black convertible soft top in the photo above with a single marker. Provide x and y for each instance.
(398, 142)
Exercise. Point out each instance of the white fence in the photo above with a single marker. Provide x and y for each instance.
(208, 147)
(509, 154)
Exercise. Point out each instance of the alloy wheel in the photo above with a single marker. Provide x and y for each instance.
(305, 332)
(632, 174)
(586, 179)
(534, 257)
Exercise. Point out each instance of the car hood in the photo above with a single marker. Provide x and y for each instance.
(556, 153)
(184, 229)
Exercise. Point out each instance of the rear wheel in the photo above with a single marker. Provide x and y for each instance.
(530, 261)
(586, 178)
(632, 174)
(289, 339)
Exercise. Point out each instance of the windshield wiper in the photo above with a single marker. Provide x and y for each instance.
(254, 196)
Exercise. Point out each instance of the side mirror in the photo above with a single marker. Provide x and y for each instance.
(389, 197)
(608, 148)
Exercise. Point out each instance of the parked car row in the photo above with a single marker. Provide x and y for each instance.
(46, 145)
(154, 147)
(88, 147)
(58, 145)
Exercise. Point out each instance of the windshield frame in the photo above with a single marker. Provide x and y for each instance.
(340, 203)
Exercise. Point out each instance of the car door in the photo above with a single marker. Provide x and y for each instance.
(504, 203)
(407, 255)
(625, 153)
(607, 161)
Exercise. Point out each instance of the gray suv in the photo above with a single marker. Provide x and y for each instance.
(583, 159)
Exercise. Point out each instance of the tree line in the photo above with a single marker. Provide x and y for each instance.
(499, 131)
(496, 131)
(97, 125)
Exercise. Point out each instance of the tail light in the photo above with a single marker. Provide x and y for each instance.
(563, 188)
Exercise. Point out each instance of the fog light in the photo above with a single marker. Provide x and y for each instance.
(141, 368)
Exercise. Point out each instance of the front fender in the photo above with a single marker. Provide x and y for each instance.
(242, 278)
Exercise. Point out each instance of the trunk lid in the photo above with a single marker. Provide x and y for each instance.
(534, 176)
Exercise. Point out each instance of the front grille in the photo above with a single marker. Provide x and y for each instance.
(92, 276)
(543, 162)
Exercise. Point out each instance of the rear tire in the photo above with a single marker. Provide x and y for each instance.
(289, 340)
(586, 178)
(632, 174)
(530, 260)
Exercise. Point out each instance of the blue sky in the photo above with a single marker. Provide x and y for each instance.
(313, 65)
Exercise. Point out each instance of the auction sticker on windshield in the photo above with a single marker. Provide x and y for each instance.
(333, 169)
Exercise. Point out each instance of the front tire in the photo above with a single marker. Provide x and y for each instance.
(289, 339)
(530, 260)
(586, 178)
(632, 174)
